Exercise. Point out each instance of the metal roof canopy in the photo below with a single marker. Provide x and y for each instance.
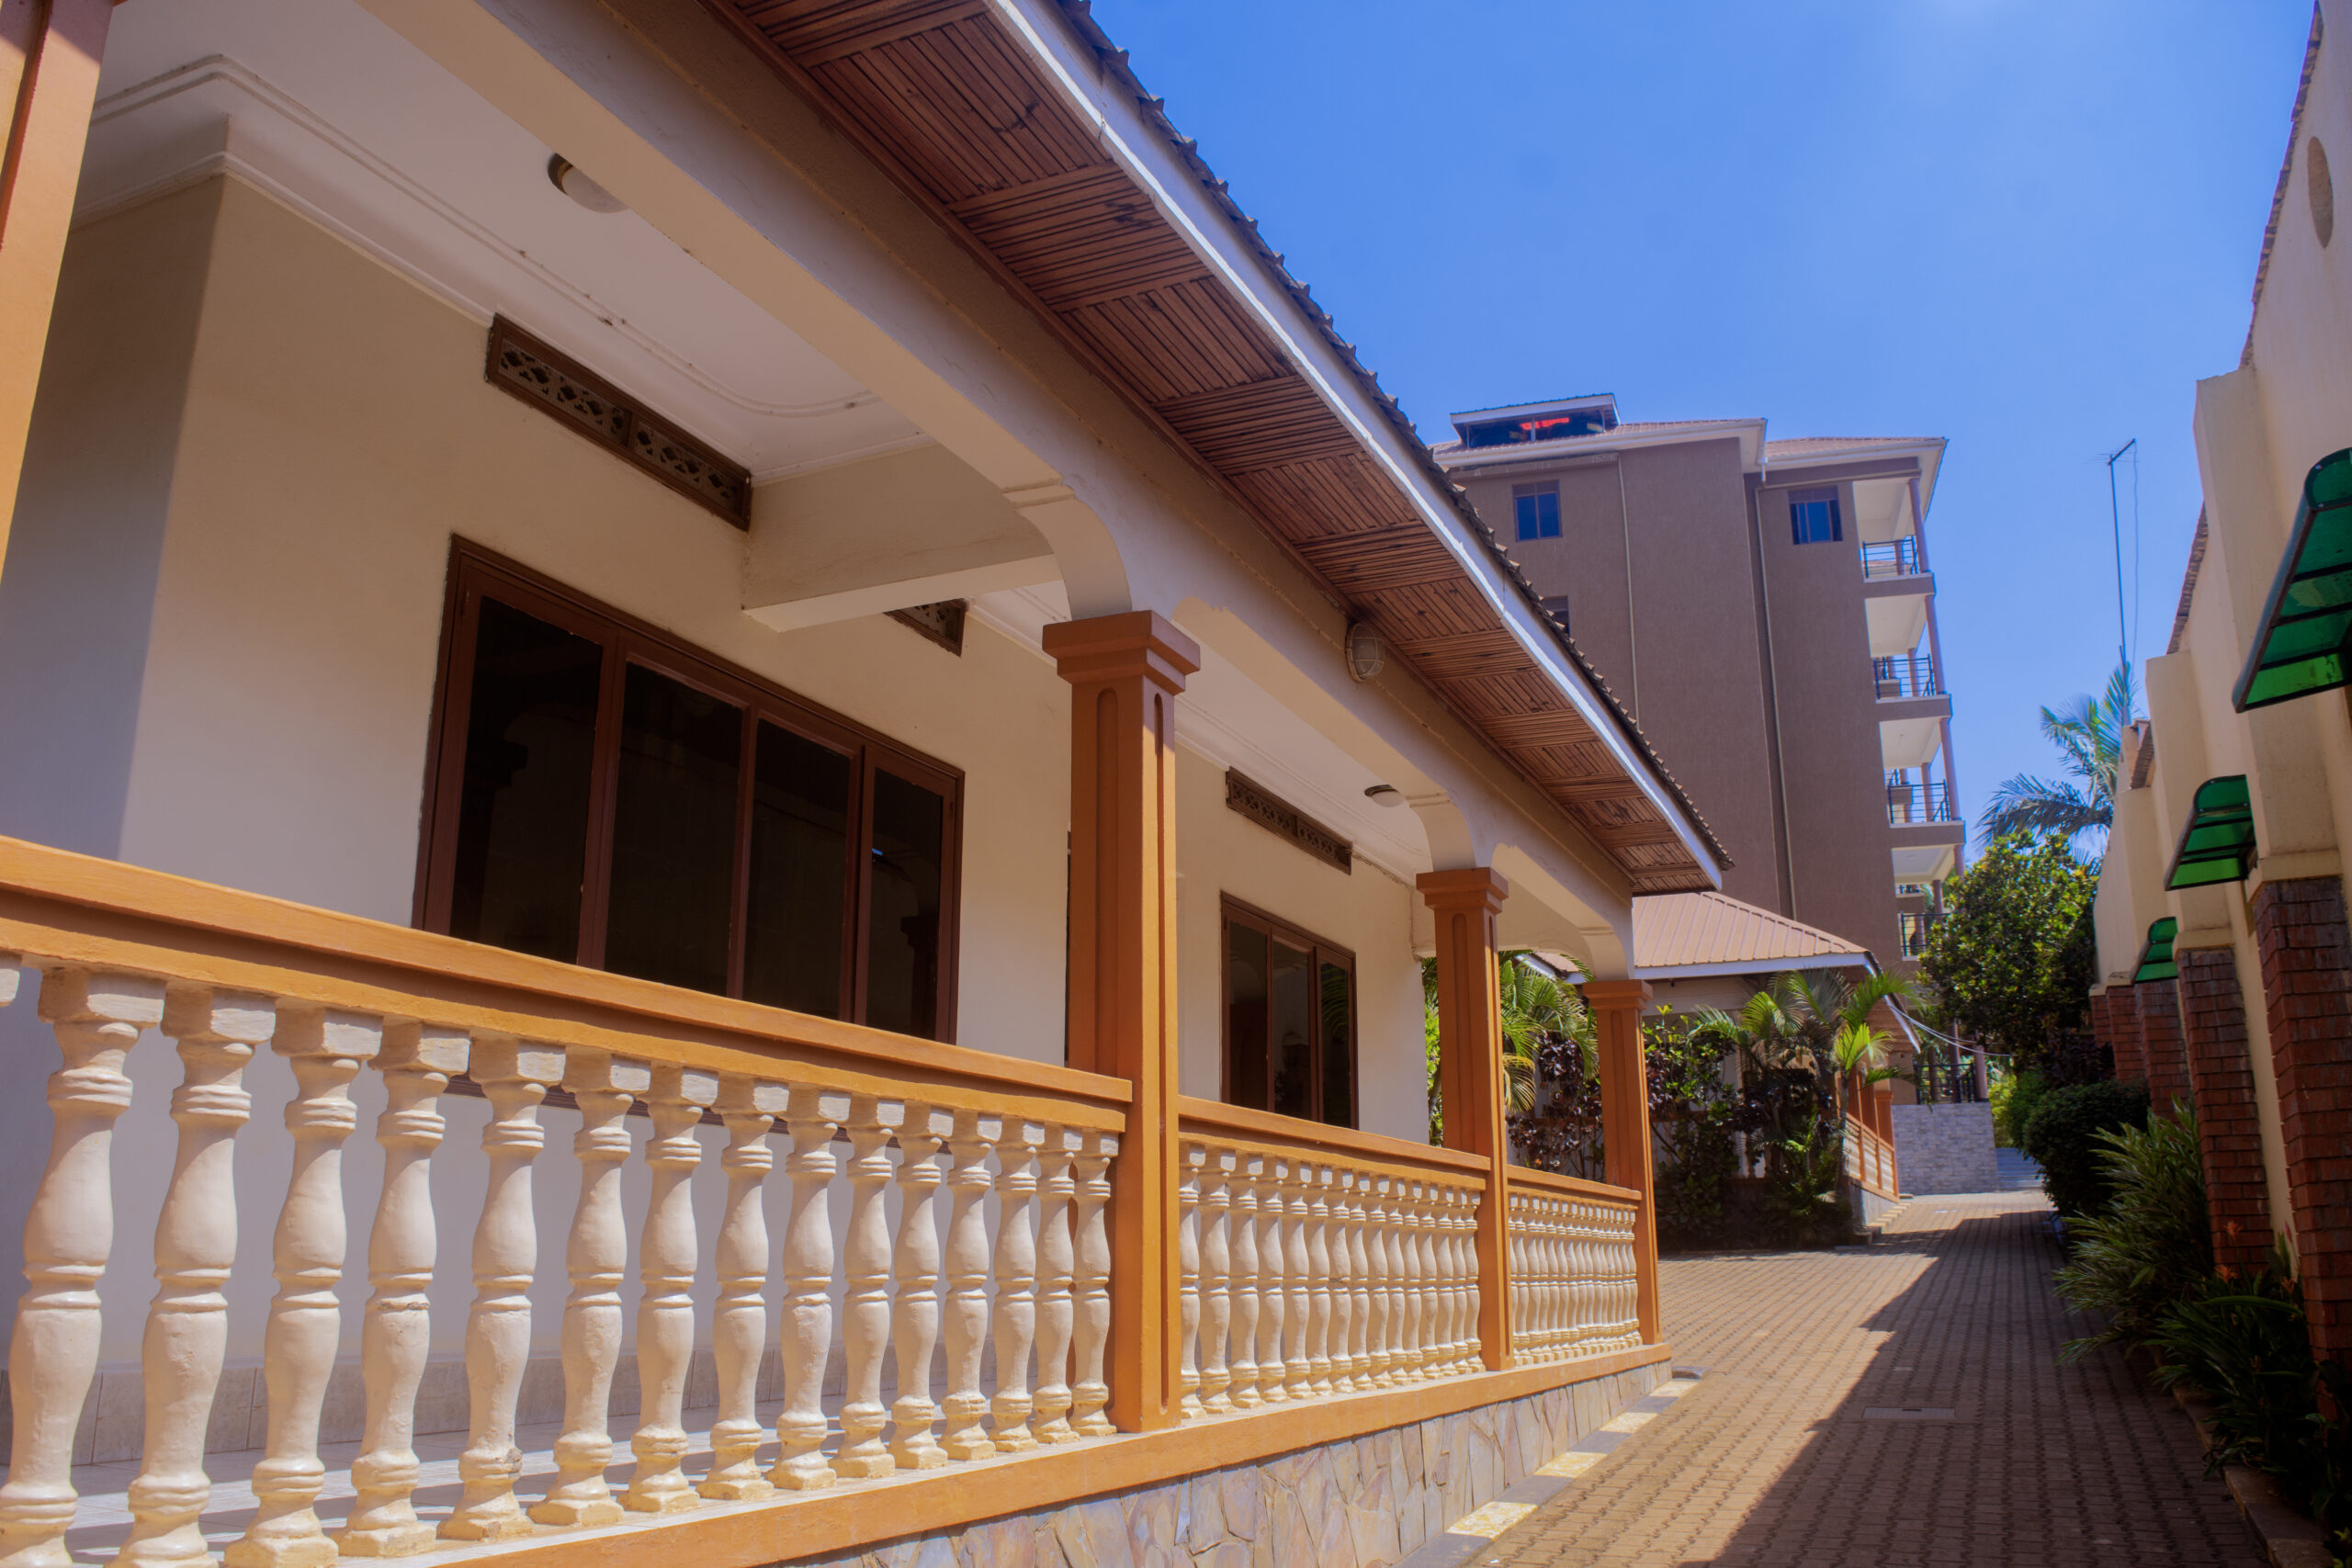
(2218, 843)
(2303, 644)
(2155, 959)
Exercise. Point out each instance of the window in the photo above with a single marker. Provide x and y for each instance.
(1537, 511)
(603, 795)
(1290, 1021)
(1812, 516)
(1556, 606)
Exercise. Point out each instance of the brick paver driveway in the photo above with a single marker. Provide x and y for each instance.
(1775, 1456)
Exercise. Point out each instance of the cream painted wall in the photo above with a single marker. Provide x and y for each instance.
(1222, 853)
(337, 432)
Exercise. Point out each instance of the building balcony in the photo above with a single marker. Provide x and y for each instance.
(1900, 677)
(1896, 587)
(1925, 830)
(1896, 558)
(934, 1207)
(1909, 804)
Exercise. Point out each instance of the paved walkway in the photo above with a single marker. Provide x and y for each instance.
(1896, 1406)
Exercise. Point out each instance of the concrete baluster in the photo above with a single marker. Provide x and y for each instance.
(326, 1049)
(1216, 1280)
(1359, 1280)
(1015, 1326)
(53, 1349)
(967, 1315)
(1190, 1158)
(1380, 1360)
(914, 1305)
(1244, 1232)
(865, 1296)
(1319, 1270)
(515, 1077)
(1341, 1195)
(808, 1333)
(196, 1242)
(669, 1254)
(739, 1324)
(1273, 1298)
(1090, 1394)
(1298, 1275)
(595, 1254)
(396, 1336)
(1056, 1306)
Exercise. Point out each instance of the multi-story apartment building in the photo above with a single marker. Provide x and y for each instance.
(1766, 610)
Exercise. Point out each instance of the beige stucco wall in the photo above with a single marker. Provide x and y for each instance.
(1693, 676)
(273, 440)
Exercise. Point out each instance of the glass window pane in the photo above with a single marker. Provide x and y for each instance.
(798, 920)
(674, 833)
(1338, 1046)
(902, 917)
(522, 852)
(1245, 1017)
(1291, 1025)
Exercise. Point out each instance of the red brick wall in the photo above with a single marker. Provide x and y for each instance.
(2123, 1033)
(2161, 1048)
(2299, 926)
(2212, 1012)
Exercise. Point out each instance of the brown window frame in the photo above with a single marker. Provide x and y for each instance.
(627, 640)
(1319, 950)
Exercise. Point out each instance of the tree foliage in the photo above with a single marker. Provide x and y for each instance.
(2090, 737)
(2012, 957)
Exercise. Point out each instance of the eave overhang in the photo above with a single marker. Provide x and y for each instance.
(972, 111)
(2301, 644)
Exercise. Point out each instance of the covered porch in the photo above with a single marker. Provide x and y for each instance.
(664, 801)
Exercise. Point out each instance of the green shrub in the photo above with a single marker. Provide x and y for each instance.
(2153, 1245)
(2061, 1137)
(2015, 1094)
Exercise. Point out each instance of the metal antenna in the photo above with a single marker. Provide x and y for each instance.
(2115, 515)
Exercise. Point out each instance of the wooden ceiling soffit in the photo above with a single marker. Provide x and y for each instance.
(950, 103)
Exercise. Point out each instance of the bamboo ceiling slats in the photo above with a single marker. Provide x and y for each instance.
(949, 98)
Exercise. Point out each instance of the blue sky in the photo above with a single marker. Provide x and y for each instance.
(2028, 227)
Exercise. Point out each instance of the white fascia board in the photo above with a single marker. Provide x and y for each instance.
(1308, 353)
(1452, 454)
(1928, 452)
(1757, 967)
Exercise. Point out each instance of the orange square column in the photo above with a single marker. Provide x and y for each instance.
(49, 75)
(1625, 1123)
(1125, 674)
(1470, 1073)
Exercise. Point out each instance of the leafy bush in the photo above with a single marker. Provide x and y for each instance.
(2061, 1137)
(2243, 1343)
(1691, 1112)
(2152, 1246)
(2015, 1094)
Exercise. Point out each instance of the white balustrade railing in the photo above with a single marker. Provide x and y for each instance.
(1308, 1269)
(1573, 1290)
(1016, 1261)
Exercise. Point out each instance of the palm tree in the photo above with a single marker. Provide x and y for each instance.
(2089, 738)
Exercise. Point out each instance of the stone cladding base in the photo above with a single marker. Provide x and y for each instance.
(1363, 1503)
(1945, 1148)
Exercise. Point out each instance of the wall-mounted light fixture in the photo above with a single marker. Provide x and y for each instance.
(568, 178)
(1366, 656)
(1384, 794)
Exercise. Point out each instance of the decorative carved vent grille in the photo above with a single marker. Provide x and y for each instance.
(1277, 816)
(942, 623)
(551, 380)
